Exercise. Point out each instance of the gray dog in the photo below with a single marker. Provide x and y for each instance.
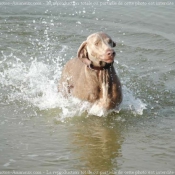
(91, 75)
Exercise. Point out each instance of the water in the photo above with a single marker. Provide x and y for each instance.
(41, 131)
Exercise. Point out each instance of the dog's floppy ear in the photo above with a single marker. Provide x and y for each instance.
(83, 54)
(82, 51)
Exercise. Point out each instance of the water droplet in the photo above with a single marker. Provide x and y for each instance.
(78, 22)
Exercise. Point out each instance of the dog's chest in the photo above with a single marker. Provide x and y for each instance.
(105, 82)
(98, 86)
(108, 88)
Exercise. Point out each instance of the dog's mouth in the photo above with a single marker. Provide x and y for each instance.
(108, 59)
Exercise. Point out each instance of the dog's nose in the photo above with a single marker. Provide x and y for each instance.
(110, 53)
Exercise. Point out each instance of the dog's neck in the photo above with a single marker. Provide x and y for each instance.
(105, 66)
(101, 66)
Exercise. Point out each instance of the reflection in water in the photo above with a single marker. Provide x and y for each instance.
(98, 144)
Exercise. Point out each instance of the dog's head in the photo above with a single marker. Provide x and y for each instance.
(97, 49)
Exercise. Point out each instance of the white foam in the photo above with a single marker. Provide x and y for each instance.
(130, 102)
(36, 82)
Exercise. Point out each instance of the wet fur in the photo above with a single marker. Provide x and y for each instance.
(101, 87)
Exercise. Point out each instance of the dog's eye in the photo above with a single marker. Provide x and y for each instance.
(96, 43)
(109, 41)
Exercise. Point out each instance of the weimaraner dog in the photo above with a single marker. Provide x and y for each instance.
(91, 75)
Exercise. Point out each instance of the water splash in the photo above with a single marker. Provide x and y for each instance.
(130, 102)
(36, 82)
